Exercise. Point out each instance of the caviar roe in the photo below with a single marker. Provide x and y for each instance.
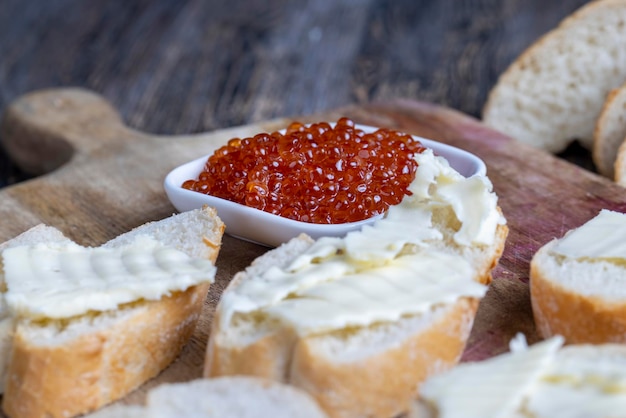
(314, 173)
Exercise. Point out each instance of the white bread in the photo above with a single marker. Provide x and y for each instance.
(355, 368)
(236, 397)
(38, 233)
(609, 133)
(577, 287)
(66, 367)
(553, 92)
(543, 381)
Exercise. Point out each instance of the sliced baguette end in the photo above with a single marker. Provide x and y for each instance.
(58, 372)
(381, 381)
(578, 317)
(62, 368)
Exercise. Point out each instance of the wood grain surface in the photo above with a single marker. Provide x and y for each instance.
(110, 180)
(186, 75)
(186, 66)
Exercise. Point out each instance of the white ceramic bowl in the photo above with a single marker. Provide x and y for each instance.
(272, 230)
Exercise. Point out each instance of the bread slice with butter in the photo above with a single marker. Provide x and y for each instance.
(235, 397)
(578, 282)
(359, 322)
(39, 233)
(545, 380)
(116, 315)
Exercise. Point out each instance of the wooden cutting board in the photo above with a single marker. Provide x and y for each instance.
(104, 178)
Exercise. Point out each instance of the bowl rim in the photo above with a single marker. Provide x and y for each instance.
(184, 199)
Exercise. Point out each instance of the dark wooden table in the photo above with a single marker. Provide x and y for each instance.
(185, 66)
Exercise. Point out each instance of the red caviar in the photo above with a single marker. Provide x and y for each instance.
(315, 173)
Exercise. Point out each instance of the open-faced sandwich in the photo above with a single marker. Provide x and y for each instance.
(83, 327)
(541, 381)
(359, 322)
(577, 282)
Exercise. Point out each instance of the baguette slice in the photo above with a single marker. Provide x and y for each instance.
(620, 160)
(38, 233)
(577, 283)
(365, 365)
(543, 381)
(236, 397)
(553, 92)
(609, 133)
(66, 367)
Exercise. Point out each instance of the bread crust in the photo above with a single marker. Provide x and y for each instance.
(620, 165)
(76, 375)
(384, 384)
(502, 232)
(578, 318)
(269, 354)
(267, 357)
(605, 147)
(94, 369)
(379, 385)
